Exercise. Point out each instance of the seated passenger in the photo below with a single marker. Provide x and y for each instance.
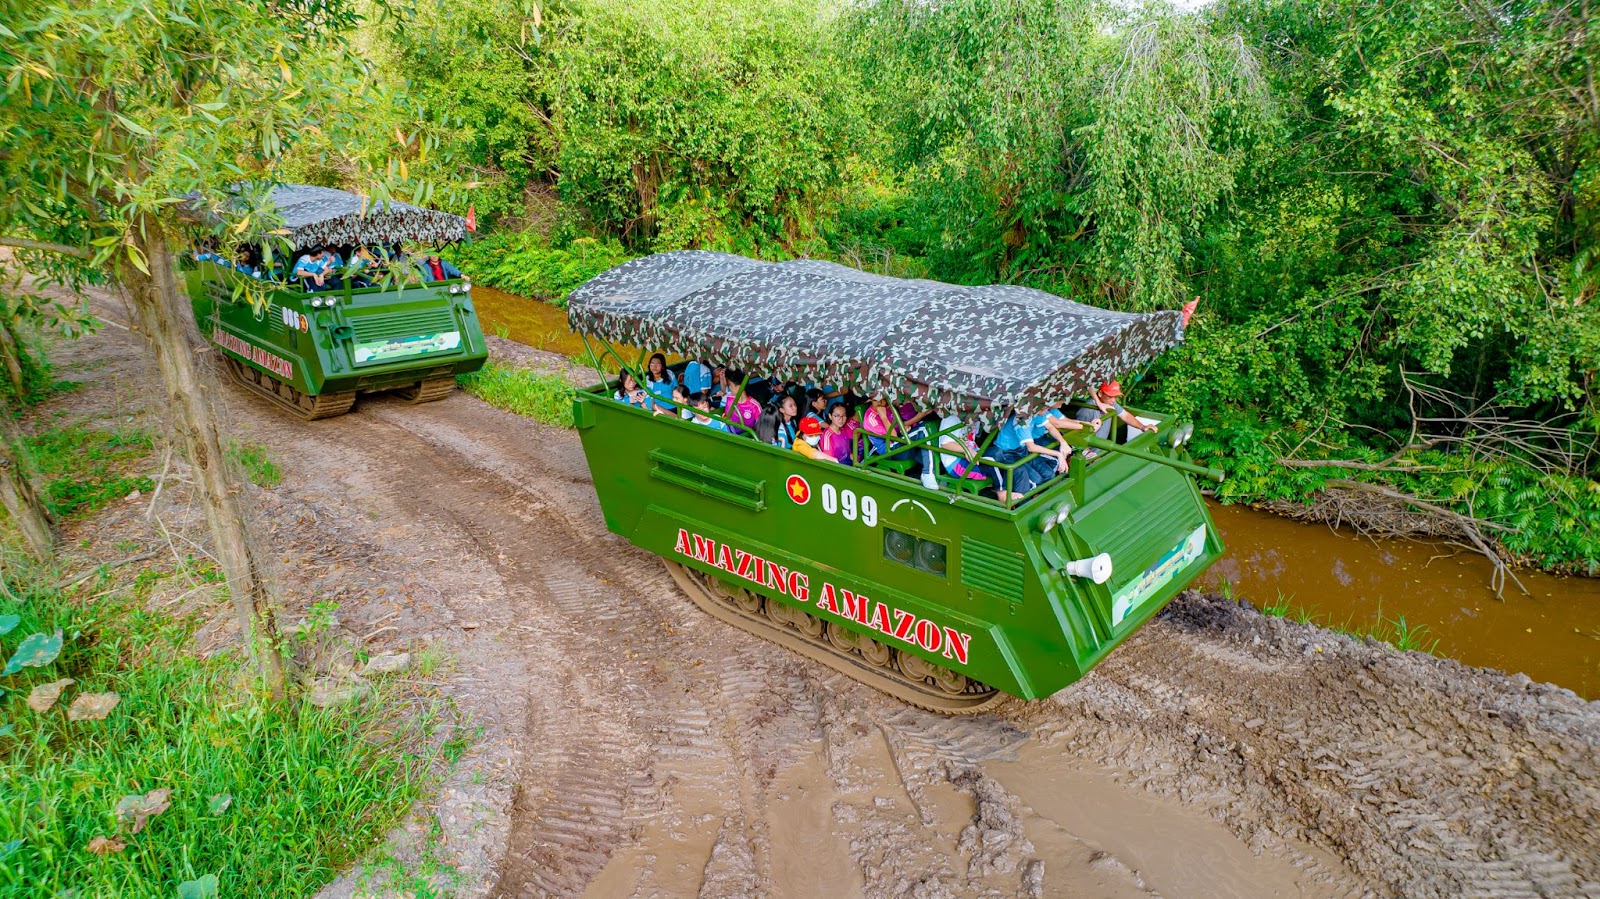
(889, 429)
(1105, 399)
(697, 376)
(721, 384)
(777, 422)
(817, 405)
(435, 269)
(312, 270)
(363, 268)
(741, 411)
(659, 380)
(961, 438)
(680, 401)
(839, 433)
(702, 411)
(628, 391)
(1053, 422)
(1016, 440)
(810, 438)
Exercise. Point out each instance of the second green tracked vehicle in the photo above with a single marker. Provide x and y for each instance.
(311, 352)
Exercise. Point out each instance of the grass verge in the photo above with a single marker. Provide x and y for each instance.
(538, 395)
(82, 470)
(1396, 632)
(272, 799)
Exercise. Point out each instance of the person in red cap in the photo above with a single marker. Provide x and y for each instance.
(1106, 398)
(810, 436)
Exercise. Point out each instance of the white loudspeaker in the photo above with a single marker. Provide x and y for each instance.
(1097, 569)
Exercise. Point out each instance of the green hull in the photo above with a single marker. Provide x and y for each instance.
(861, 549)
(374, 339)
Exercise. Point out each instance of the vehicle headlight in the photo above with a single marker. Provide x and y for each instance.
(316, 302)
(1182, 434)
(455, 288)
(1059, 517)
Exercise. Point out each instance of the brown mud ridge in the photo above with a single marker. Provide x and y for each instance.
(629, 745)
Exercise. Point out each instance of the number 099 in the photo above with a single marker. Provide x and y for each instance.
(846, 503)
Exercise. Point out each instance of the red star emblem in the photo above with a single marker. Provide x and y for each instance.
(799, 490)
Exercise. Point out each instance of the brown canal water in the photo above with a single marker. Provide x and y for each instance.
(1551, 633)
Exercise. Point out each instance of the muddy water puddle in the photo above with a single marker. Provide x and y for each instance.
(1342, 580)
(1551, 633)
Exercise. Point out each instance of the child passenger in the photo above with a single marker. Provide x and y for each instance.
(810, 437)
(889, 429)
(961, 438)
(817, 405)
(628, 392)
(777, 423)
(659, 380)
(741, 411)
(680, 400)
(839, 433)
(702, 411)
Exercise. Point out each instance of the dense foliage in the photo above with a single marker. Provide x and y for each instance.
(1391, 211)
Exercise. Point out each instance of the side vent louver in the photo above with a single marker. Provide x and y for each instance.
(991, 569)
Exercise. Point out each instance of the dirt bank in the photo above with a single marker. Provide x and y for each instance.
(626, 745)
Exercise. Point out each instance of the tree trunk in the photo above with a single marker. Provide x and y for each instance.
(11, 350)
(155, 298)
(16, 493)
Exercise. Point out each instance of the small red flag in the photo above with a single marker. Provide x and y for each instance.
(472, 218)
(1188, 308)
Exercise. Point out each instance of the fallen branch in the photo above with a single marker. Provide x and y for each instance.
(1388, 464)
(100, 569)
(1469, 526)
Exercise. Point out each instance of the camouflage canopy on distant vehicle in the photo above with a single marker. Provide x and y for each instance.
(980, 350)
(322, 216)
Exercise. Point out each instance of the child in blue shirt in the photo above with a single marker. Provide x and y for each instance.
(702, 415)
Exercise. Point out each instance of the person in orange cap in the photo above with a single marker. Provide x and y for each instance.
(1106, 397)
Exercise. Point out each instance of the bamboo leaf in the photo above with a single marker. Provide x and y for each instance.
(137, 258)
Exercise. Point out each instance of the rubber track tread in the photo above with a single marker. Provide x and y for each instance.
(820, 651)
(325, 405)
(431, 390)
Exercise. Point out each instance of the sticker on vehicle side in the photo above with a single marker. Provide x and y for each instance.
(1141, 588)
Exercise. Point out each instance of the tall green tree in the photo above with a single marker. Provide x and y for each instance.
(124, 123)
(1075, 145)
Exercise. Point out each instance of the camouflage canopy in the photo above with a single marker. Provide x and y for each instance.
(980, 351)
(322, 216)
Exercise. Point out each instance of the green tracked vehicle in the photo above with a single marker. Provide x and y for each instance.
(950, 599)
(311, 353)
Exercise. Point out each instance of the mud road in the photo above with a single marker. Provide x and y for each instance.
(628, 745)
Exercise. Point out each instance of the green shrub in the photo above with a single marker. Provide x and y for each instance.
(273, 799)
(538, 395)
